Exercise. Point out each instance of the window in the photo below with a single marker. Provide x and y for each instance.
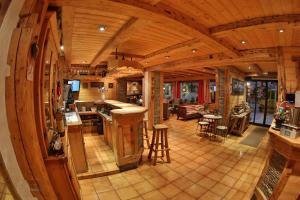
(189, 91)
(168, 91)
(212, 91)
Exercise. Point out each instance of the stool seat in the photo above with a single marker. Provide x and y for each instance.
(221, 127)
(160, 126)
(203, 123)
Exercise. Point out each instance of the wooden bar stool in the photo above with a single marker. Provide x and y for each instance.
(145, 136)
(159, 137)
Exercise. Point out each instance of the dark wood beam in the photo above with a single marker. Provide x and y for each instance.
(128, 55)
(289, 18)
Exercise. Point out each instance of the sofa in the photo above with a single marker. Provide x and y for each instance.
(189, 111)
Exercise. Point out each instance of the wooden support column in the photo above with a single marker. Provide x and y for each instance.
(288, 71)
(153, 90)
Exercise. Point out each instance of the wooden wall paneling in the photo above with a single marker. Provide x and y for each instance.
(25, 111)
(38, 90)
(12, 114)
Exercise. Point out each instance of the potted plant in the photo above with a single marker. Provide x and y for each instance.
(279, 119)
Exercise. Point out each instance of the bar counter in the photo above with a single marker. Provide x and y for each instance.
(123, 131)
(280, 178)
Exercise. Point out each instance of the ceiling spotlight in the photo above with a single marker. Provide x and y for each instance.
(243, 42)
(265, 73)
(167, 57)
(194, 50)
(62, 47)
(281, 30)
(249, 67)
(102, 28)
(83, 61)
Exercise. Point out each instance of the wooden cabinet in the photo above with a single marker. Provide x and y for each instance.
(62, 174)
(77, 148)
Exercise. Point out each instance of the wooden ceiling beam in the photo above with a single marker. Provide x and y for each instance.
(128, 55)
(289, 18)
(190, 78)
(120, 36)
(67, 30)
(173, 47)
(211, 60)
(256, 68)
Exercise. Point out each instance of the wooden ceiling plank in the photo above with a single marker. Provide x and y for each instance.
(67, 30)
(128, 55)
(289, 18)
(165, 11)
(122, 35)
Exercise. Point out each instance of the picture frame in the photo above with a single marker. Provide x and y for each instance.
(238, 87)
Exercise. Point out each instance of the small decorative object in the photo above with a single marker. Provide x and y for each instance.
(206, 107)
(102, 90)
(110, 85)
(34, 50)
(56, 145)
(279, 119)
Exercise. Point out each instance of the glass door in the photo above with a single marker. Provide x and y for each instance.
(262, 98)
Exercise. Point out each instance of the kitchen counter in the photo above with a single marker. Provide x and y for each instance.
(73, 119)
(289, 141)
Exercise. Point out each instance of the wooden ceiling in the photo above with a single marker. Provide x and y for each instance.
(162, 33)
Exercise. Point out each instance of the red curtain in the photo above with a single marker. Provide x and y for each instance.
(201, 92)
(174, 96)
(178, 90)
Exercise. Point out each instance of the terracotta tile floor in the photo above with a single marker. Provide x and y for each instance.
(199, 169)
(100, 157)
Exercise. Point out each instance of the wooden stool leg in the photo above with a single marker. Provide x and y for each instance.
(152, 144)
(146, 134)
(156, 147)
(167, 146)
(162, 145)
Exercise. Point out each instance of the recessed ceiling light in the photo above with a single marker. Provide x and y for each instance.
(83, 61)
(167, 57)
(102, 28)
(47, 61)
(249, 67)
(62, 47)
(265, 73)
(281, 30)
(194, 50)
(243, 42)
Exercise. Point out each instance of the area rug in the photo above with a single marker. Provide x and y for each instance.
(254, 136)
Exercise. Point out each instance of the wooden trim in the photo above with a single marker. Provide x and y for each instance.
(289, 18)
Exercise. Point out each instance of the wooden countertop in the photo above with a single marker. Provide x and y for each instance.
(73, 119)
(289, 141)
(125, 108)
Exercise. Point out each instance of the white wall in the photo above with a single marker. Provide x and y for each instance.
(6, 148)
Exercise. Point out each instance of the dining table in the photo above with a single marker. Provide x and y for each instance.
(213, 121)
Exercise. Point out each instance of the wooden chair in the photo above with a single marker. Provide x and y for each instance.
(159, 137)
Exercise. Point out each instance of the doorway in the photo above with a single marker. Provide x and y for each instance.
(262, 98)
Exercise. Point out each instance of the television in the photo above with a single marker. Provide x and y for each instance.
(75, 85)
(290, 97)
